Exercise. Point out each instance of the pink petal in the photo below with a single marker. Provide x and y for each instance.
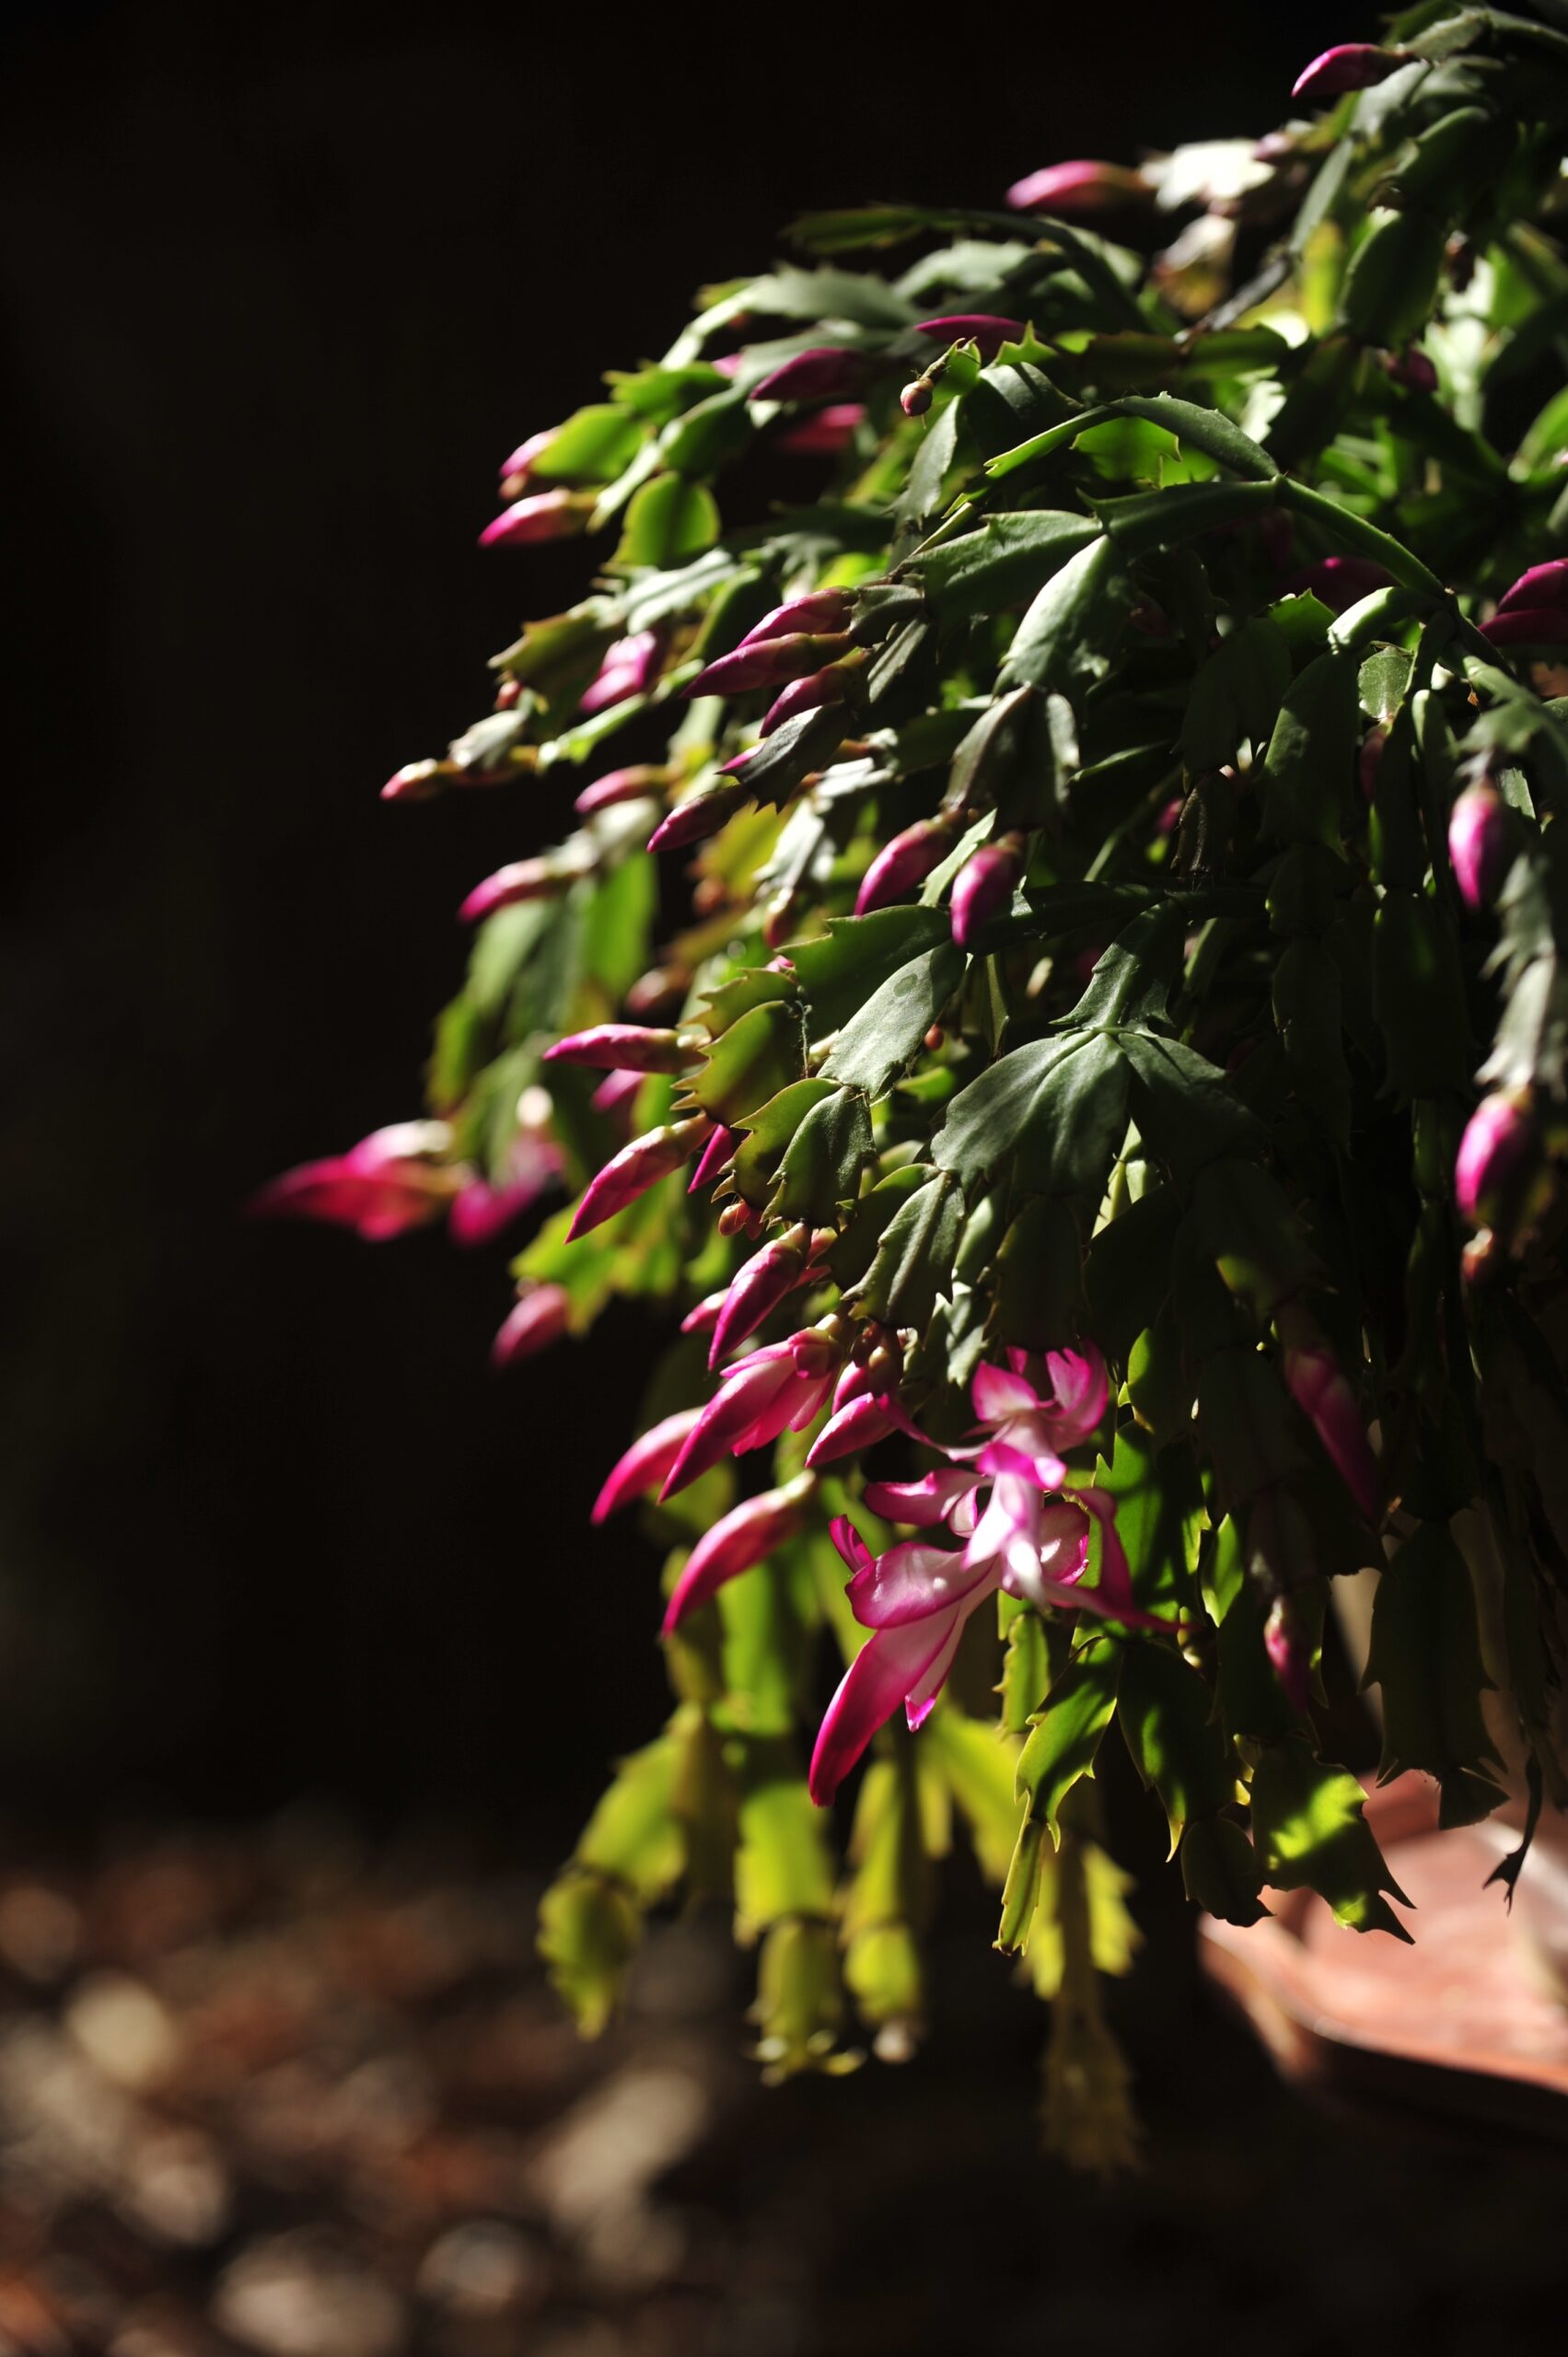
(645, 1464)
(998, 1395)
(889, 1666)
(1080, 1388)
(911, 1582)
(920, 1699)
(930, 1500)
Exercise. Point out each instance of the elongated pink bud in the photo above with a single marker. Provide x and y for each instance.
(698, 817)
(1314, 1380)
(1479, 844)
(522, 879)
(391, 1181)
(1539, 586)
(517, 471)
(719, 1150)
(645, 1464)
(616, 1095)
(983, 887)
(818, 609)
(704, 1315)
(542, 515)
(1528, 626)
(830, 685)
(416, 782)
(629, 668)
(623, 1047)
(902, 864)
(758, 1289)
(539, 1318)
(768, 663)
(1499, 1169)
(983, 328)
(622, 785)
(827, 372)
(1349, 65)
(852, 1428)
(826, 434)
(1077, 188)
(1290, 1657)
(744, 1539)
(635, 1168)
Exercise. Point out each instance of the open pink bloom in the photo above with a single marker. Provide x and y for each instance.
(539, 1317)
(391, 1181)
(826, 434)
(1349, 65)
(1077, 188)
(541, 516)
(1528, 626)
(826, 372)
(623, 1047)
(635, 1168)
(1028, 1433)
(1315, 1381)
(745, 1537)
(644, 1467)
(767, 663)
(629, 668)
(759, 1396)
(1479, 846)
(901, 864)
(482, 1211)
(982, 327)
(982, 888)
(1540, 585)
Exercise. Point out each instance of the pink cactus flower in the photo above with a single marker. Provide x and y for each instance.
(827, 433)
(517, 471)
(522, 879)
(1078, 188)
(541, 516)
(539, 1318)
(983, 888)
(624, 1047)
(1479, 848)
(982, 328)
(745, 1537)
(1284, 1642)
(902, 864)
(1499, 1158)
(767, 663)
(700, 816)
(629, 668)
(1314, 1378)
(482, 1211)
(1349, 65)
(631, 784)
(616, 1095)
(831, 685)
(718, 1152)
(827, 372)
(1528, 626)
(635, 1168)
(816, 610)
(1339, 582)
(758, 1288)
(1539, 586)
(644, 1468)
(759, 1396)
(416, 782)
(391, 1181)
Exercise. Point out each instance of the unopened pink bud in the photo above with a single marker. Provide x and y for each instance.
(520, 465)
(1479, 844)
(645, 1465)
(768, 663)
(827, 372)
(523, 879)
(1499, 1161)
(542, 515)
(616, 1095)
(1412, 367)
(826, 434)
(1284, 1642)
(1313, 1378)
(629, 668)
(917, 396)
(816, 610)
(416, 782)
(623, 1047)
(1349, 65)
(982, 327)
(719, 1150)
(1528, 626)
(831, 685)
(849, 1429)
(622, 785)
(540, 1316)
(703, 1314)
(983, 888)
(902, 864)
(1338, 581)
(1539, 586)
(1077, 188)
(698, 817)
(635, 1168)
(743, 1538)
(757, 1290)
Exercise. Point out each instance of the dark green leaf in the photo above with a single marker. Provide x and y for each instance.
(1310, 1833)
(1066, 1736)
(1426, 1656)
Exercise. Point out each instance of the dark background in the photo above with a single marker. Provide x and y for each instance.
(280, 288)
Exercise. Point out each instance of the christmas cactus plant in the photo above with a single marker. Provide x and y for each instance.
(1054, 994)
